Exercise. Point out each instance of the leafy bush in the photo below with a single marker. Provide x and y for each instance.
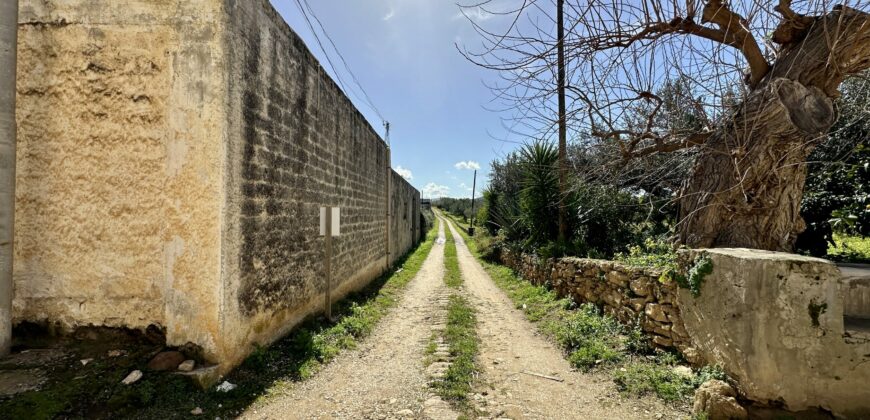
(654, 253)
(837, 191)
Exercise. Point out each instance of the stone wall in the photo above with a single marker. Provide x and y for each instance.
(774, 321)
(173, 156)
(405, 216)
(630, 294)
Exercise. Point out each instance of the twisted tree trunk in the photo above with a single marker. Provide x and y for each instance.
(746, 187)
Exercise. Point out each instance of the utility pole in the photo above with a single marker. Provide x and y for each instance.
(388, 201)
(8, 65)
(563, 132)
(473, 189)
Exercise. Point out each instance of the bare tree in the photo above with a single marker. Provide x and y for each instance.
(764, 76)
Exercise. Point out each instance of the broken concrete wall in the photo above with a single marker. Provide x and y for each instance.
(120, 113)
(775, 322)
(173, 158)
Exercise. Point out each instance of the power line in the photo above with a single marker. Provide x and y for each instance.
(317, 38)
(366, 98)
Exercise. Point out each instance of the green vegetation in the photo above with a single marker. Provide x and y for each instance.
(850, 249)
(703, 266)
(836, 202)
(452, 276)
(652, 253)
(460, 207)
(816, 310)
(661, 378)
(98, 393)
(461, 336)
(593, 341)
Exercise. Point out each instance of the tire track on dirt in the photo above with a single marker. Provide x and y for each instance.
(510, 346)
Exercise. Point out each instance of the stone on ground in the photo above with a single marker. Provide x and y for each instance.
(166, 360)
(187, 365)
(718, 401)
(132, 377)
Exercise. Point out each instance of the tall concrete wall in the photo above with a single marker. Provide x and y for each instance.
(296, 143)
(174, 155)
(405, 216)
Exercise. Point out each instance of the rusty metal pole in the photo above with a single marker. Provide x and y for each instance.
(8, 66)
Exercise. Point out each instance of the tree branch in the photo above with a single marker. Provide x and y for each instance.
(738, 36)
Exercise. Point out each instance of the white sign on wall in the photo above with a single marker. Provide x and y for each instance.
(335, 216)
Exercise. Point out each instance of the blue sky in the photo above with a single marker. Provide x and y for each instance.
(403, 53)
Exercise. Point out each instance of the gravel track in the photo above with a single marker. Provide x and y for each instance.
(384, 377)
(510, 345)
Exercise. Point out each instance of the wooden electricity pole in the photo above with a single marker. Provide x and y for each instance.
(563, 132)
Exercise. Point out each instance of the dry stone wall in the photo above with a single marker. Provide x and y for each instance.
(630, 294)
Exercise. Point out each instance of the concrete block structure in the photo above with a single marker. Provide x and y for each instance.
(172, 159)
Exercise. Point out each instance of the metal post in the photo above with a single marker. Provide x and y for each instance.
(8, 65)
(327, 265)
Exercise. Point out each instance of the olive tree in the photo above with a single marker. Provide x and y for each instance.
(763, 78)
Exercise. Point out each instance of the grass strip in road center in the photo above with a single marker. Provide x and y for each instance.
(452, 276)
(460, 334)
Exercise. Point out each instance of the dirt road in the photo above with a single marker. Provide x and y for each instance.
(510, 346)
(384, 377)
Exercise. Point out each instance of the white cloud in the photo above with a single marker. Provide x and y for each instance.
(465, 187)
(404, 172)
(477, 14)
(389, 15)
(433, 190)
(469, 164)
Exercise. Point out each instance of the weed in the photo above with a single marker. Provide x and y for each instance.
(461, 337)
(816, 310)
(643, 378)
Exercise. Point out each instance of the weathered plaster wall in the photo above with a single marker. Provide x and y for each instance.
(173, 156)
(120, 112)
(775, 322)
(296, 143)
